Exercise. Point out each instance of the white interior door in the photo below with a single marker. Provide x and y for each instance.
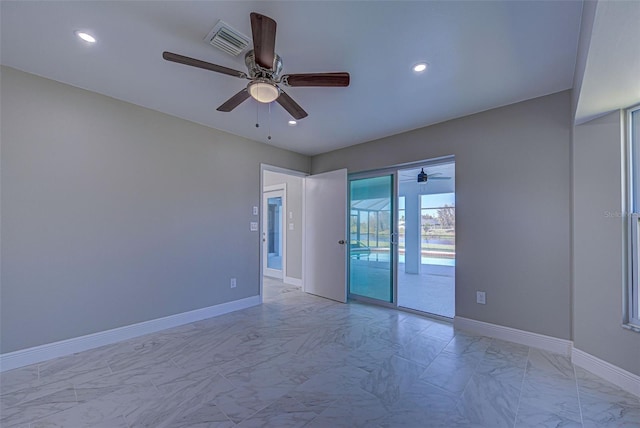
(274, 232)
(325, 265)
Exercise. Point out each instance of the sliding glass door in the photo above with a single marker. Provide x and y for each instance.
(402, 237)
(371, 253)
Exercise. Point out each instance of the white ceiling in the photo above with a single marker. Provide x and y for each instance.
(481, 55)
(611, 77)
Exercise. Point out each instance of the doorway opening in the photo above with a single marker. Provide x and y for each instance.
(426, 239)
(402, 237)
(273, 231)
(281, 229)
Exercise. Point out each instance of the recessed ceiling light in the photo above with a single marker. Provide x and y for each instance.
(292, 123)
(86, 37)
(420, 67)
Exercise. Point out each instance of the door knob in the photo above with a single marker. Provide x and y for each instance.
(341, 242)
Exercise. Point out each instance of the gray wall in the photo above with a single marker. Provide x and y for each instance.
(113, 214)
(599, 254)
(294, 207)
(512, 206)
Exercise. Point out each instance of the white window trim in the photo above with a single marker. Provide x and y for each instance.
(631, 318)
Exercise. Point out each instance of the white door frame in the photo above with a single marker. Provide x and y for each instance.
(275, 191)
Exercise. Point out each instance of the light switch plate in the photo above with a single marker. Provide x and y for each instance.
(253, 226)
(481, 297)
(290, 226)
(255, 210)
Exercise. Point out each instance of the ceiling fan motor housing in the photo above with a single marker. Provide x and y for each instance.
(422, 176)
(256, 71)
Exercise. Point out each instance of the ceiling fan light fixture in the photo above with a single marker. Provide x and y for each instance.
(263, 91)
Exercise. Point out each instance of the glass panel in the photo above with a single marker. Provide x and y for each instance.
(634, 288)
(370, 251)
(438, 233)
(635, 150)
(634, 304)
(635, 291)
(426, 245)
(274, 233)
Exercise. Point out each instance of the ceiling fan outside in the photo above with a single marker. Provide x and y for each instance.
(423, 177)
(264, 68)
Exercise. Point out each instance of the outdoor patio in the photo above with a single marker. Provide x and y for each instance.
(431, 291)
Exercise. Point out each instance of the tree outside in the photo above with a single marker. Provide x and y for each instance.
(438, 231)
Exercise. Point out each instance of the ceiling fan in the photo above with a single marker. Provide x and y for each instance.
(423, 177)
(409, 176)
(264, 71)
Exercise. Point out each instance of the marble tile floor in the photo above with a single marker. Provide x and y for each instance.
(303, 361)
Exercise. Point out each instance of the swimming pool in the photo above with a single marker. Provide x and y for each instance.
(384, 257)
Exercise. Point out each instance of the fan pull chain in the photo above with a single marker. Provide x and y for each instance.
(269, 137)
(257, 120)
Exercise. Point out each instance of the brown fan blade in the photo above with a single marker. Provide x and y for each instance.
(263, 29)
(181, 59)
(291, 106)
(317, 79)
(234, 101)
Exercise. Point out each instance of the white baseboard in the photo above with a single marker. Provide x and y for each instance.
(293, 281)
(548, 343)
(614, 374)
(609, 372)
(37, 354)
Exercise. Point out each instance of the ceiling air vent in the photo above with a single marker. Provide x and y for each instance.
(227, 39)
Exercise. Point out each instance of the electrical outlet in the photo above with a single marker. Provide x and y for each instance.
(481, 297)
(233, 283)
